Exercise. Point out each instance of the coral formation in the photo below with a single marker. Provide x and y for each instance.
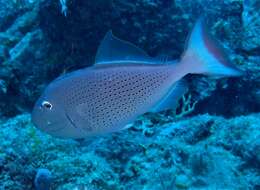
(210, 142)
(202, 152)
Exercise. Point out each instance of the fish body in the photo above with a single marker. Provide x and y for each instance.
(123, 84)
(101, 99)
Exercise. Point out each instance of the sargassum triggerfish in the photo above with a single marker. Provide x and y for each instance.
(124, 83)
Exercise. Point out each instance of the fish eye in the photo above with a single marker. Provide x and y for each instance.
(47, 105)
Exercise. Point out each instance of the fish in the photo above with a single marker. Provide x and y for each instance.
(124, 83)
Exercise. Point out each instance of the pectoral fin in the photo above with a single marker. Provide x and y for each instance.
(170, 100)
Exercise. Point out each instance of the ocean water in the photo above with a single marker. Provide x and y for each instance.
(209, 140)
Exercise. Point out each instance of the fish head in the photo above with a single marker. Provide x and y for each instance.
(49, 114)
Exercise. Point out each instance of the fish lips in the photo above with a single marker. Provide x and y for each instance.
(43, 123)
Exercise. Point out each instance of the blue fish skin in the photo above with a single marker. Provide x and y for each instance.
(123, 84)
(103, 99)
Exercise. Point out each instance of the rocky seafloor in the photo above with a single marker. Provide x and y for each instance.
(201, 152)
(216, 146)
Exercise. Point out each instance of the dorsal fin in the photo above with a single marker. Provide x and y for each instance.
(115, 50)
(162, 58)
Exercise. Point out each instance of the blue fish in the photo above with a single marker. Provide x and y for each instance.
(124, 83)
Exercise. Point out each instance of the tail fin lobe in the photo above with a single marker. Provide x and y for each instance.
(207, 54)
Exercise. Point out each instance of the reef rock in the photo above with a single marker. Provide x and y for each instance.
(188, 153)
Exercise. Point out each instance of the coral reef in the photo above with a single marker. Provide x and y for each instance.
(40, 40)
(210, 142)
(202, 152)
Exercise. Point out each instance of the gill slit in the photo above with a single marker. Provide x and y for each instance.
(71, 121)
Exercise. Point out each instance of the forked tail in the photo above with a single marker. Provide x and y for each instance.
(204, 55)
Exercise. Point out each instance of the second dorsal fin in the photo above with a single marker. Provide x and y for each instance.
(115, 50)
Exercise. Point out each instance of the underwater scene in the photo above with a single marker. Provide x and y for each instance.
(129, 94)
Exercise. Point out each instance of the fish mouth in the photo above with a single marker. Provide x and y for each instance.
(54, 130)
(49, 128)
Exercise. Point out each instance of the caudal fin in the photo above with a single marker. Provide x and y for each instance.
(204, 55)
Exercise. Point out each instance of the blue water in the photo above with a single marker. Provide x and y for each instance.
(210, 141)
